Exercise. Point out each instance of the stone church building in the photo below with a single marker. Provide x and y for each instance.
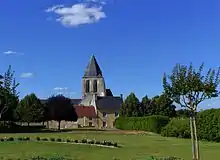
(98, 107)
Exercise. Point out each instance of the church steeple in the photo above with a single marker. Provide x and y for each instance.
(93, 69)
(93, 80)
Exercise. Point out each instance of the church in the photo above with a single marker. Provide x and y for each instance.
(98, 107)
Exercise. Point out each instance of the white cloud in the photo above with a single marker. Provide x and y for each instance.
(27, 75)
(60, 88)
(12, 53)
(78, 14)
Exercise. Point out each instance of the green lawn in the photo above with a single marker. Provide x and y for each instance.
(134, 147)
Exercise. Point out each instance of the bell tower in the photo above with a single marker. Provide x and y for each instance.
(93, 80)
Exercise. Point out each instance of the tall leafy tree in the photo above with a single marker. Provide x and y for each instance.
(189, 87)
(60, 108)
(8, 95)
(131, 106)
(30, 109)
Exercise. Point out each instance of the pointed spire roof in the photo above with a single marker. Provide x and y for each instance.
(93, 69)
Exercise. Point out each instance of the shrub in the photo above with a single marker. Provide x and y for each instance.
(52, 139)
(163, 158)
(44, 139)
(208, 125)
(59, 140)
(68, 140)
(20, 139)
(150, 123)
(27, 138)
(76, 141)
(84, 140)
(10, 139)
(92, 141)
(115, 144)
(38, 138)
(2, 139)
(177, 127)
(97, 142)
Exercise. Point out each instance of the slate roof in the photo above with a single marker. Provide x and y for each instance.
(93, 69)
(109, 104)
(109, 92)
(87, 111)
(73, 101)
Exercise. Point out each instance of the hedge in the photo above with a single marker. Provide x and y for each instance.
(208, 124)
(150, 123)
(177, 127)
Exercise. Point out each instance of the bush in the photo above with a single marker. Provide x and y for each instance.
(2, 139)
(177, 127)
(76, 141)
(150, 123)
(10, 139)
(59, 140)
(68, 140)
(84, 140)
(52, 139)
(97, 142)
(208, 125)
(44, 139)
(162, 158)
(38, 138)
(115, 144)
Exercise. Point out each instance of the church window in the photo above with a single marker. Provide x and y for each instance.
(87, 86)
(95, 86)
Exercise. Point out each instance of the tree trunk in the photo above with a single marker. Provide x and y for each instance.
(196, 139)
(192, 138)
(28, 124)
(59, 125)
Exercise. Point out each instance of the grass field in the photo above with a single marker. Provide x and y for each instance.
(134, 146)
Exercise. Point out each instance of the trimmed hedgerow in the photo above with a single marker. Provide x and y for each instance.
(150, 123)
(177, 127)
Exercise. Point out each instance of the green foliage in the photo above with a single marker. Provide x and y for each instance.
(149, 123)
(177, 127)
(50, 158)
(163, 158)
(130, 107)
(59, 140)
(8, 96)
(30, 109)
(60, 108)
(158, 105)
(188, 87)
(185, 113)
(208, 124)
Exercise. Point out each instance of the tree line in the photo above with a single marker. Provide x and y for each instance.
(31, 108)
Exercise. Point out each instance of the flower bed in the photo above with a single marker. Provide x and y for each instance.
(59, 140)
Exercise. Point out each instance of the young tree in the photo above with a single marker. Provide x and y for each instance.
(130, 107)
(8, 95)
(189, 87)
(60, 108)
(30, 109)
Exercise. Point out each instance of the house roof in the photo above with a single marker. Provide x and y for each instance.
(87, 111)
(109, 92)
(73, 101)
(109, 104)
(93, 69)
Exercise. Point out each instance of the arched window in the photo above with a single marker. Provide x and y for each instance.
(95, 86)
(87, 86)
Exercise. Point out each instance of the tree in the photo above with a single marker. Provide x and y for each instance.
(30, 109)
(189, 87)
(158, 105)
(60, 108)
(8, 95)
(130, 107)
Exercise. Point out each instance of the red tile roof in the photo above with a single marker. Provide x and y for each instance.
(87, 111)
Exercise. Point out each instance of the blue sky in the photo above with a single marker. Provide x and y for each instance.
(135, 42)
